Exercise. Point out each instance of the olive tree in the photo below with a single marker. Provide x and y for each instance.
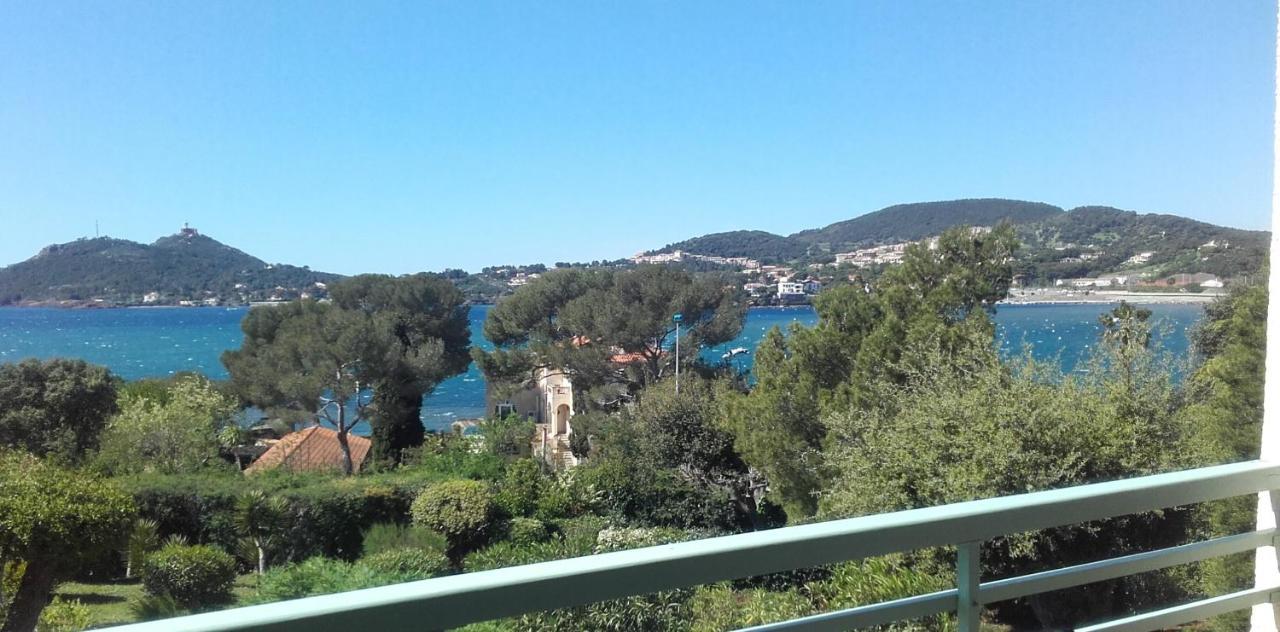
(52, 519)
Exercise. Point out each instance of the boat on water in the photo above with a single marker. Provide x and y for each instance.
(736, 351)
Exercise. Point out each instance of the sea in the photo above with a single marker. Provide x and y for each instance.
(159, 341)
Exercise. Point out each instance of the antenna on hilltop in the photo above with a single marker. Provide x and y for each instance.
(95, 229)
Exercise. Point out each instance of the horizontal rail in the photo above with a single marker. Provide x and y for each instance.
(453, 601)
(1186, 613)
(1071, 576)
(866, 616)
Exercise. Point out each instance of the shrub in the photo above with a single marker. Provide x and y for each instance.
(325, 576)
(528, 531)
(194, 576)
(386, 536)
(461, 511)
(316, 576)
(406, 565)
(521, 487)
(152, 607)
(509, 553)
(717, 608)
(64, 616)
(621, 539)
(449, 456)
(508, 437)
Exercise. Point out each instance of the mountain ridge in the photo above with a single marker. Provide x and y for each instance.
(1101, 237)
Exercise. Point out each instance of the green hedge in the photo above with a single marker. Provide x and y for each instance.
(325, 515)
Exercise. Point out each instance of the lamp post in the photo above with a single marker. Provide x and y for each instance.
(677, 318)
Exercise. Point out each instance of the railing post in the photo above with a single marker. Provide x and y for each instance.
(968, 577)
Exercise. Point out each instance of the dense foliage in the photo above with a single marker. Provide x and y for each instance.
(1224, 418)
(608, 330)
(53, 520)
(176, 432)
(461, 511)
(756, 244)
(55, 408)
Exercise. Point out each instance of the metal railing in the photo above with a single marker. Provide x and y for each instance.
(457, 600)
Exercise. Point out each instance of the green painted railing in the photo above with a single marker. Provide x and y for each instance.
(453, 601)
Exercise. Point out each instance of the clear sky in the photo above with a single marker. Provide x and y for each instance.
(397, 137)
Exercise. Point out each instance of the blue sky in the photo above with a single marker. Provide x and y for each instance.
(397, 137)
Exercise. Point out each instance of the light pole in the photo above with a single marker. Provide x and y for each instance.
(677, 318)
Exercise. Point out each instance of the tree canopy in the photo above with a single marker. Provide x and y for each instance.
(173, 433)
(608, 327)
(306, 360)
(53, 519)
(430, 342)
(56, 407)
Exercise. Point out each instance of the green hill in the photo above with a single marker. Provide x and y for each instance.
(1092, 240)
(756, 244)
(1085, 241)
(185, 266)
(909, 222)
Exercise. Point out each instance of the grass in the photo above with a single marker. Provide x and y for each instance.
(108, 602)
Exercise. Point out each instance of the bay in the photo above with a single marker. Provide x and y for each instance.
(156, 342)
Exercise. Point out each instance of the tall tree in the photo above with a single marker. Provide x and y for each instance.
(306, 361)
(776, 427)
(56, 407)
(428, 324)
(582, 321)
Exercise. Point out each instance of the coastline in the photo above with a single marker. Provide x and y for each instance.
(1069, 297)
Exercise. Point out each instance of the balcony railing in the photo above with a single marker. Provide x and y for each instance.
(449, 602)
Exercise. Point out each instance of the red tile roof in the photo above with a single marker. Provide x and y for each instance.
(314, 448)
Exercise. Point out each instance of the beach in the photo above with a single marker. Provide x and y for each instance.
(1044, 296)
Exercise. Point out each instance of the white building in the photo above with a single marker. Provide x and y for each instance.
(1139, 259)
(789, 288)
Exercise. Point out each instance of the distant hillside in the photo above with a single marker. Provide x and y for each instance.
(1091, 240)
(1057, 244)
(756, 244)
(185, 266)
(909, 222)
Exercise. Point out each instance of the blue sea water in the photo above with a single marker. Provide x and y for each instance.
(151, 342)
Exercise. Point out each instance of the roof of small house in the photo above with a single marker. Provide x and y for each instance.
(314, 448)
